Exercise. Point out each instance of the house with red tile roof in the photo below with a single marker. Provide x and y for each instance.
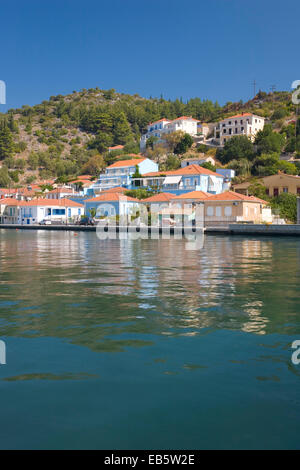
(120, 173)
(163, 126)
(111, 204)
(230, 207)
(247, 124)
(190, 178)
(36, 211)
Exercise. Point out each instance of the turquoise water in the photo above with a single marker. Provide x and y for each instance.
(144, 344)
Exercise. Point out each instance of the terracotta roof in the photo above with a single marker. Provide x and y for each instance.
(61, 190)
(127, 163)
(9, 201)
(163, 119)
(182, 118)
(193, 195)
(243, 115)
(118, 189)
(188, 170)
(161, 197)
(116, 147)
(232, 196)
(108, 197)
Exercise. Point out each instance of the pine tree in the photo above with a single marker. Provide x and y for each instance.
(6, 141)
(121, 129)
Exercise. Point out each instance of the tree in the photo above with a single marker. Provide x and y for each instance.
(173, 139)
(93, 166)
(4, 178)
(6, 141)
(268, 141)
(33, 161)
(236, 148)
(208, 166)
(151, 141)
(121, 129)
(184, 144)
(242, 167)
(140, 193)
(172, 162)
(102, 141)
(137, 173)
(258, 190)
(287, 205)
(266, 164)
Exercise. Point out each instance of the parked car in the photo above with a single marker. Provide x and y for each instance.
(45, 222)
(86, 221)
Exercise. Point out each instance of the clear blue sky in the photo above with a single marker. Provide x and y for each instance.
(212, 49)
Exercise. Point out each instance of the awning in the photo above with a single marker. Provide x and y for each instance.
(172, 179)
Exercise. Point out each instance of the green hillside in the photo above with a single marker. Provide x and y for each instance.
(69, 135)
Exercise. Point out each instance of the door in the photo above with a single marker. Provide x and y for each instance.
(275, 192)
(28, 221)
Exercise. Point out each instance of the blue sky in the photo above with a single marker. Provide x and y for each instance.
(212, 49)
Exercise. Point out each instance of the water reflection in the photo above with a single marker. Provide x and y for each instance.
(114, 294)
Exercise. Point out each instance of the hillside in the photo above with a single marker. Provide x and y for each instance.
(60, 136)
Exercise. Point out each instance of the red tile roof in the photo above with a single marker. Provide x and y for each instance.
(9, 201)
(232, 196)
(193, 195)
(154, 122)
(118, 189)
(243, 115)
(116, 147)
(127, 163)
(61, 190)
(41, 202)
(161, 197)
(109, 197)
(188, 170)
(182, 118)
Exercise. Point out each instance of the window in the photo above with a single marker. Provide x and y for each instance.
(268, 191)
(275, 191)
(218, 211)
(230, 131)
(228, 211)
(298, 190)
(241, 121)
(235, 122)
(285, 190)
(59, 211)
(229, 122)
(224, 131)
(236, 130)
(210, 211)
(242, 128)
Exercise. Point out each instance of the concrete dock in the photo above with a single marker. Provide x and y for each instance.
(232, 229)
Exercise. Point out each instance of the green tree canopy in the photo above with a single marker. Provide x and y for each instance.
(236, 148)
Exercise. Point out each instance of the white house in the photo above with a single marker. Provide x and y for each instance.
(111, 204)
(157, 129)
(241, 124)
(37, 210)
(119, 173)
(198, 160)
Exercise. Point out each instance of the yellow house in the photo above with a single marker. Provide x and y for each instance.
(230, 207)
(275, 184)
